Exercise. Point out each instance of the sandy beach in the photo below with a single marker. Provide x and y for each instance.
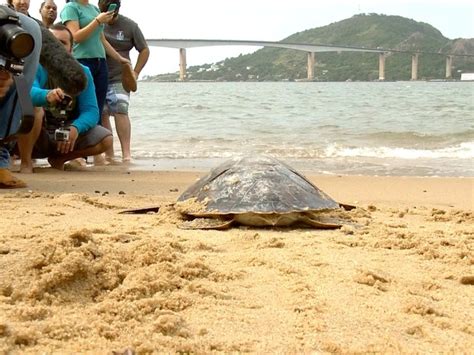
(77, 276)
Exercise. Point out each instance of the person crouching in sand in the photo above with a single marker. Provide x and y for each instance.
(65, 127)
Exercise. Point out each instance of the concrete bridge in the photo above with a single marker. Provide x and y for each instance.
(311, 49)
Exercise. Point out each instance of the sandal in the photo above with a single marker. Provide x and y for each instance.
(129, 82)
(8, 181)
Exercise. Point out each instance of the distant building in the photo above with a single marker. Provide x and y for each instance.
(467, 76)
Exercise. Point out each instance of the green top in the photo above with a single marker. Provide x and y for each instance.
(84, 14)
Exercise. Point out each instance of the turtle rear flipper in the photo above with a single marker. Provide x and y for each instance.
(318, 224)
(207, 223)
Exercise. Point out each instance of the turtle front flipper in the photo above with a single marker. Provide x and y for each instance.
(142, 210)
(207, 223)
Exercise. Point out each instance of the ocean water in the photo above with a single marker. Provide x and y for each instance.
(362, 128)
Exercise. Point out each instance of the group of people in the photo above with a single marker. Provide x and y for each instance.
(100, 38)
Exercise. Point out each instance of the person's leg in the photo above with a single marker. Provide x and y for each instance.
(109, 109)
(7, 180)
(101, 82)
(100, 73)
(124, 130)
(94, 142)
(122, 120)
(57, 162)
(109, 153)
(27, 141)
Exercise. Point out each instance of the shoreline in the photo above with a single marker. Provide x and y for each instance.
(440, 191)
(303, 81)
(204, 165)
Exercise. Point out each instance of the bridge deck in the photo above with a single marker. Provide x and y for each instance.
(192, 43)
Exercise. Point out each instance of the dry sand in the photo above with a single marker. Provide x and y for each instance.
(76, 276)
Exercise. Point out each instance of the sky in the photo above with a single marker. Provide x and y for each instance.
(267, 20)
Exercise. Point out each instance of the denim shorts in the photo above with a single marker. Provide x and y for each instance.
(117, 99)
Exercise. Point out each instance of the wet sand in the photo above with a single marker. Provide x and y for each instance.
(77, 276)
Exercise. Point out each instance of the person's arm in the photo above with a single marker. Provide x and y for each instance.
(70, 18)
(6, 80)
(38, 93)
(81, 34)
(87, 107)
(40, 96)
(111, 52)
(140, 44)
(141, 61)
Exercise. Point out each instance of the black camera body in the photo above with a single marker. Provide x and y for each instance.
(64, 105)
(15, 42)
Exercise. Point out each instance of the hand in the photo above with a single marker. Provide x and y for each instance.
(65, 147)
(6, 80)
(54, 96)
(135, 74)
(105, 17)
(124, 61)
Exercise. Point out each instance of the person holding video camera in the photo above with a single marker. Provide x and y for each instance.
(15, 61)
(70, 127)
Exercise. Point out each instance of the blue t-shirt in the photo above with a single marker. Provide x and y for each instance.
(86, 113)
(92, 47)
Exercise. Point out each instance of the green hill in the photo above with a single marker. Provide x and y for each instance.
(364, 30)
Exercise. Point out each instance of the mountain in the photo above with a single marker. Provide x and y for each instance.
(363, 30)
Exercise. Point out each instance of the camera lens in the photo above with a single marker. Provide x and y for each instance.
(15, 41)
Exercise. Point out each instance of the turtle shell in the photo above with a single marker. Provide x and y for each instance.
(262, 185)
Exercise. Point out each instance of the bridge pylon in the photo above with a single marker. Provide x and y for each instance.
(311, 62)
(182, 64)
(414, 66)
(449, 67)
(382, 57)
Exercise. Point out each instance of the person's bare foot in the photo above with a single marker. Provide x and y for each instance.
(26, 168)
(8, 181)
(56, 163)
(112, 161)
(99, 160)
(78, 163)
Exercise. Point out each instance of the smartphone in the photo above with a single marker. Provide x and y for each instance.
(112, 7)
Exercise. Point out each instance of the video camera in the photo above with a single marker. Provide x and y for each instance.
(15, 42)
(63, 133)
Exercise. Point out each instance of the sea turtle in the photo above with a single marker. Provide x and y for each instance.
(255, 191)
